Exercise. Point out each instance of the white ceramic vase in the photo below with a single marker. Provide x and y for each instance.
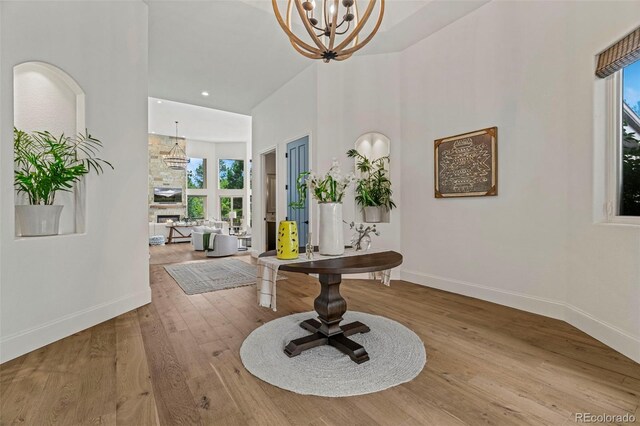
(38, 220)
(331, 241)
(372, 214)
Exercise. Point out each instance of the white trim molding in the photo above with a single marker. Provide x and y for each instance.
(25, 341)
(608, 334)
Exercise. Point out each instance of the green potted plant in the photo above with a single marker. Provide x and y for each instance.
(45, 164)
(373, 187)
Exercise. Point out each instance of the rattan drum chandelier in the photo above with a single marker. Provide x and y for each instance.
(334, 26)
(176, 159)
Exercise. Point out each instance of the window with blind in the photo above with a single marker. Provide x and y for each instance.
(620, 65)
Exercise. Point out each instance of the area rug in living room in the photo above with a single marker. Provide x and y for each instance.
(397, 355)
(213, 275)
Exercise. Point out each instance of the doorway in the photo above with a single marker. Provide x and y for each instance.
(269, 204)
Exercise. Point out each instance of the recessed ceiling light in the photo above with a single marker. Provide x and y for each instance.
(159, 102)
(205, 93)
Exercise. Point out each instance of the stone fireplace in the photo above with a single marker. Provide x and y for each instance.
(161, 176)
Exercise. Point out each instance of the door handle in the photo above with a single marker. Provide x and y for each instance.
(306, 221)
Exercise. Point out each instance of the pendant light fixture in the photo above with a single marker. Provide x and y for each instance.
(334, 26)
(176, 159)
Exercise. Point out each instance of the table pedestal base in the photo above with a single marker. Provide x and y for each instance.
(330, 307)
(340, 341)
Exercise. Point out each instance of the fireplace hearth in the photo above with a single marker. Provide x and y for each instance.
(164, 218)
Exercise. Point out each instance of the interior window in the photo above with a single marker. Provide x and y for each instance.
(237, 207)
(196, 173)
(231, 174)
(629, 202)
(196, 206)
(229, 204)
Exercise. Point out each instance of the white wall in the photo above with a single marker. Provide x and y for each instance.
(528, 68)
(355, 97)
(54, 286)
(288, 114)
(335, 101)
(197, 123)
(43, 100)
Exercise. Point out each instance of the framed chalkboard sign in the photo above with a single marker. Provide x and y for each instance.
(467, 165)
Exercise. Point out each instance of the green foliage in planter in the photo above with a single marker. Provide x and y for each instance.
(45, 164)
(373, 188)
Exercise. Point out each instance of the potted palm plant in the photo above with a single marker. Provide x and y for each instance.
(373, 187)
(44, 165)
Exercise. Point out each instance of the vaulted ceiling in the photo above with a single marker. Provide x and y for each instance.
(235, 50)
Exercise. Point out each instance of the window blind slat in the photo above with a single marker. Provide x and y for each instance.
(623, 53)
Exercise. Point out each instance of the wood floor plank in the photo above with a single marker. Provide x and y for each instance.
(8, 371)
(247, 393)
(98, 378)
(174, 400)
(134, 392)
(191, 357)
(25, 391)
(61, 394)
(215, 403)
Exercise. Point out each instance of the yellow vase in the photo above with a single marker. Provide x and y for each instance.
(287, 247)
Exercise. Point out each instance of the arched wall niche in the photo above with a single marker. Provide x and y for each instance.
(47, 98)
(373, 145)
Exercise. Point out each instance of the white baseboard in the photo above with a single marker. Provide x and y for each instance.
(25, 341)
(608, 334)
(524, 302)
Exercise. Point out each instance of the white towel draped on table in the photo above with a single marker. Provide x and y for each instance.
(268, 272)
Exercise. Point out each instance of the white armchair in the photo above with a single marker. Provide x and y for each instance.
(197, 236)
(222, 245)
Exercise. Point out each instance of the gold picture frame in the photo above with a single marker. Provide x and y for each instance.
(466, 165)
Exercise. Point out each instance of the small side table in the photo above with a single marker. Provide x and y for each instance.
(244, 242)
(179, 232)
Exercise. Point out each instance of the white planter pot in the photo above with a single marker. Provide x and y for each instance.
(35, 221)
(331, 241)
(372, 214)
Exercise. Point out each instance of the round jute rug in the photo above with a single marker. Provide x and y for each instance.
(397, 355)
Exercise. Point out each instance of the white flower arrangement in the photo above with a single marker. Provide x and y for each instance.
(329, 188)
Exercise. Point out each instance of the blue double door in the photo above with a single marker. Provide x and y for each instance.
(298, 162)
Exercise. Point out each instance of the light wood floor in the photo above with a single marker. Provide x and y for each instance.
(176, 362)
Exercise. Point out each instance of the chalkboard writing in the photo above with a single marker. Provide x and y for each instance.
(466, 164)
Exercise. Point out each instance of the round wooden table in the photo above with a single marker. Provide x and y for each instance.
(330, 305)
